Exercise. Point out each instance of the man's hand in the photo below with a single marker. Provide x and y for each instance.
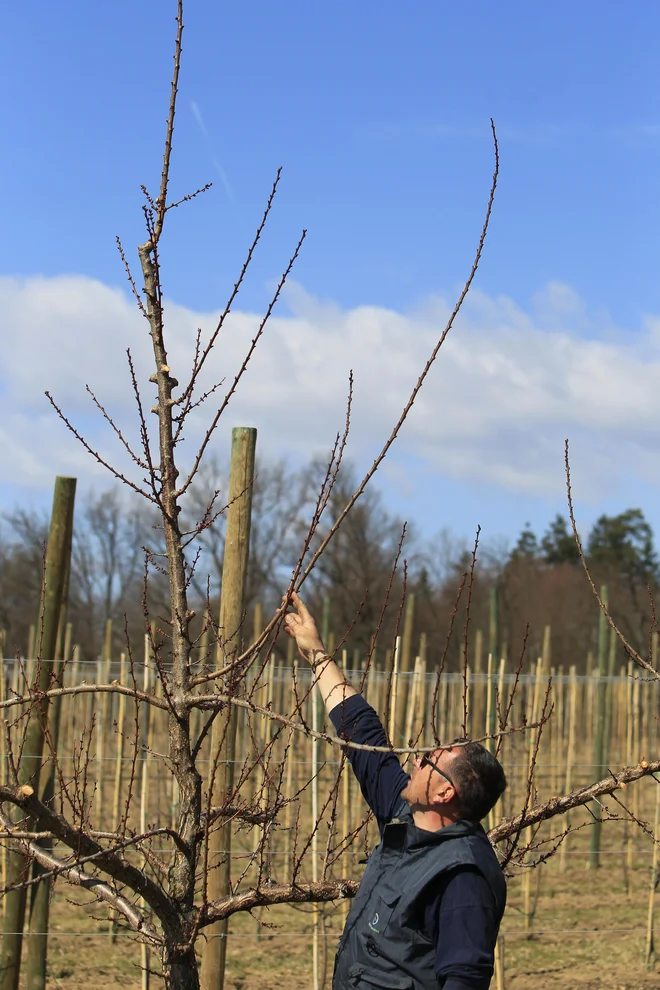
(332, 684)
(302, 627)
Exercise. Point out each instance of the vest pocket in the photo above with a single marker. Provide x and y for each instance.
(379, 912)
(359, 977)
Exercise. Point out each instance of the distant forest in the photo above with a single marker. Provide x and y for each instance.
(539, 582)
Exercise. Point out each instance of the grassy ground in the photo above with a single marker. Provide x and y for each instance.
(587, 932)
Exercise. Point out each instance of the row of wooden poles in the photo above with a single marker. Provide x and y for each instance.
(597, 721)
(35, 734)
(603, 720)
(606, 718)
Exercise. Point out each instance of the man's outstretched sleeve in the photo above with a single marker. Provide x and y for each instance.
(380, 775)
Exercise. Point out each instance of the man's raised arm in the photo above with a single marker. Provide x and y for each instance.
(331, 682)
(379, 774)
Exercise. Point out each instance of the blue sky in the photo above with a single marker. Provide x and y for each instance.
(379, 116)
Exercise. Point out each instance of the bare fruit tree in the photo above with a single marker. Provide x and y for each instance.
(156, 876)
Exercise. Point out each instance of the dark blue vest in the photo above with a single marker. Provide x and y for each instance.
(384, 944)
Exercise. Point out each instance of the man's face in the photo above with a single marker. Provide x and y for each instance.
(431, 784)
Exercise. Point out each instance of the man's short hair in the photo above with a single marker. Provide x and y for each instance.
(479, 779)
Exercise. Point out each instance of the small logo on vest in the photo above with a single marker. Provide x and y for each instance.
(372, 924)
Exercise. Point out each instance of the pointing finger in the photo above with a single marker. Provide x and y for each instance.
(299, 605)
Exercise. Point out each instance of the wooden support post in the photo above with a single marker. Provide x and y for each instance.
(443, 708)
(493, 625)
(652, 702)
(103, 669)
(630, 684)
(414, 695)
(529, 902)
(424, 711)
(637, 755)
(546, 652)
(599, 730)
(408, 622)
(58, 555)
(497, 698)
(223, 741)
(570, 751)
(315, 840)
(3, 764)
(650, 945)
(609, 697)
(406, 659)
(345, 798)
(74, 702)
(480, 692)
(500, 983)
(557, 726)
(119, 764)
(146, 741)
(41, 893)
(289, 778)
(490, 702)
(31, 644)
(119, 752)
(394, 694)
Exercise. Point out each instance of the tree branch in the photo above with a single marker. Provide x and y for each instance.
(113, 688)
(294, 893)
(161, 202)
(583, 795)
(108, 862)
(409, 404)
(73, 875)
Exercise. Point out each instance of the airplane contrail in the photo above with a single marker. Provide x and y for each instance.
(197, 114)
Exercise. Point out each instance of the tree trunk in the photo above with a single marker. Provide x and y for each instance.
(181, 973)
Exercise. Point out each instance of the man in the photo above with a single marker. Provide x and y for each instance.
(428, 910)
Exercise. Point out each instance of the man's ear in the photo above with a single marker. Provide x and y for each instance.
(445, 792)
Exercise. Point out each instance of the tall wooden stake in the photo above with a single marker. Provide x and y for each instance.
(315, 840)
(407, 659)
(41, 893)
(391, 721)
(103, 668)
(650, 946)
(119, 765)
(529, 903)
(57, 562)
(493, 625)
(570, 751)
(145, 731)
(3, 758)
(599, 731)
(234, 572)
(630, 682)
(490, 703)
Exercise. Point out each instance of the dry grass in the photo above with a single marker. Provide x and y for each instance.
(587, 933)
(587, 930)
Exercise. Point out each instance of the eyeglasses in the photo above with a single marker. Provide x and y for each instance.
(426, 761)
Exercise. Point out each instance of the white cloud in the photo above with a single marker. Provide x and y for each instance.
(509, 385)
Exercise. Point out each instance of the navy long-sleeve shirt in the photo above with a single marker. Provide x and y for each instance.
(461, 918)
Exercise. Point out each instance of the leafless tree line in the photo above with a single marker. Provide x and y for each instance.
(528, 585)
